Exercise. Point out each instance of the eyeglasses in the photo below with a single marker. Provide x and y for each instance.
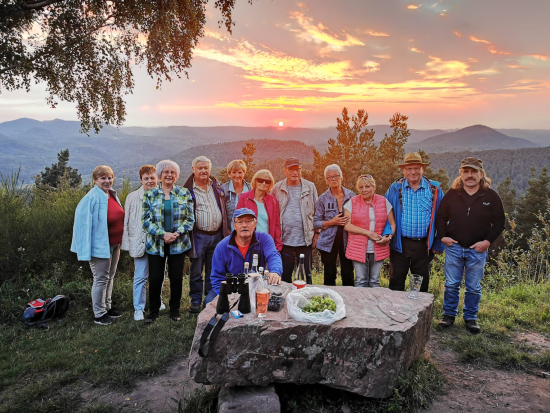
(263, 181)
(247, 222)
(333, 178)
(366, 176)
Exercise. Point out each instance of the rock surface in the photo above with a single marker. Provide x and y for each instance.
(365, 353)
(251, 399)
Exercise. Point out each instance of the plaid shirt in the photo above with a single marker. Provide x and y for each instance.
(183, 220)
(417, 210)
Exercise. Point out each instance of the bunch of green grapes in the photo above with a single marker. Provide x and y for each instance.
(319, 303)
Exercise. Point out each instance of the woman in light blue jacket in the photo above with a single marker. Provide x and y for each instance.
(97, 234)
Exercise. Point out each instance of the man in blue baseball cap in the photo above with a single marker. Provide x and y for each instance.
(237, 248)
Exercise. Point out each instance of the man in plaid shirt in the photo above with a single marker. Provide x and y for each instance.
(415, 200)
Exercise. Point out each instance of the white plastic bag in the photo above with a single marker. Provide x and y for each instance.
(299, 298)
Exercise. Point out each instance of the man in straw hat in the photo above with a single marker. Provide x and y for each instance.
(470, 218)
(415, 201)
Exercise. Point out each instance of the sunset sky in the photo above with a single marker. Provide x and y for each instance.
(445, 64)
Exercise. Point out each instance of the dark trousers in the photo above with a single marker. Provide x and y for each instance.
(156, 278)
(204, 247)
(329, 264)
(290, 256)
(414, 256)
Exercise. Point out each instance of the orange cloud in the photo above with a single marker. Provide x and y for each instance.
(475, 39)
(540, 57)
(414, 49)
(458, 34)
(320, 34)
(378, 34)
(413, 6)
(382, 56)
(372, 66)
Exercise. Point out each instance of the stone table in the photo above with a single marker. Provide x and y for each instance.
(364, 353)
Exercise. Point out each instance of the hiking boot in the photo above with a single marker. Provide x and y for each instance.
(113, 312)
(151, 317)
(195, 308)
(104, 320)
(138, 315)
(447, 321)
(472, 326)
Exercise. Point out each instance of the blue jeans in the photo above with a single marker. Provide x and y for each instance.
(204, 247)
(461, 260)
(209, 297)
(141, 272)
(368, 274)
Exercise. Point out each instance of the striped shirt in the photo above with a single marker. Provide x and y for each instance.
(417, 210)
(208, 216)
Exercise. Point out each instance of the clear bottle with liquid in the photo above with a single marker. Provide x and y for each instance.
(254, 264)
(246, 268)
(299, 279)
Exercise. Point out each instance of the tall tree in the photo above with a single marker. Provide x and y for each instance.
(353, 150)
(52, 177)
(391, 152)
(84, 50)
(534, 201)
(508, 195)
(248, 151)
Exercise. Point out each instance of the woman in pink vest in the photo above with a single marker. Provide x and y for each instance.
(264, 205)
(370, 230)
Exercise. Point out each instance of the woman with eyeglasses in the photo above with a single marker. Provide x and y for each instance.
(264, 205)
(370, 230)
(329, 222)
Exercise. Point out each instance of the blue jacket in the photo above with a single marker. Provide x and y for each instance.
(393, 195)
(90, 231)
(228, 259)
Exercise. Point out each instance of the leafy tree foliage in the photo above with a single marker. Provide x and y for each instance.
(84, 49)
(59, 173)
(508, 195)
(356, 153)
(533, 204)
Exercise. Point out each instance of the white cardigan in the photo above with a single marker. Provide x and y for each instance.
(133, 236)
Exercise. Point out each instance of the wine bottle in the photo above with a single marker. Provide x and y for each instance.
(299, 279)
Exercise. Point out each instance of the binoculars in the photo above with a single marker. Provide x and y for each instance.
(234, 284)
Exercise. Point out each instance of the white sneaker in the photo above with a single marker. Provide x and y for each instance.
(138, 315)
(162, 306)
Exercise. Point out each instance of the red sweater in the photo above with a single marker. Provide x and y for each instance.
(246, 200)
(115, 221)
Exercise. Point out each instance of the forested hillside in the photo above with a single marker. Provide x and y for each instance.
(221, 154)
(499, 163)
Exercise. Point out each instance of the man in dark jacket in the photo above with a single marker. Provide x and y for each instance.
(210, 227)
(470, 218)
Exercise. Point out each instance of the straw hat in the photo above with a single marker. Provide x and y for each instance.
(413, 158)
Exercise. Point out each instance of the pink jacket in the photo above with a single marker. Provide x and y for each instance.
(357, 244)
(246, 200)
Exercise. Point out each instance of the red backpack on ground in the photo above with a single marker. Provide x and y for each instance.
(39, 311)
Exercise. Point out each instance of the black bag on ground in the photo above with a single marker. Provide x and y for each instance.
(38, 311)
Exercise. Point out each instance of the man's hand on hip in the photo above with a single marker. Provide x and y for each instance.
(448, 241)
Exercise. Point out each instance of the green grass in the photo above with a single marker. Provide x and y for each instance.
(44, 369)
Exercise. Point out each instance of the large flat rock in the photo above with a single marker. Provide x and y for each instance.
(365, 353)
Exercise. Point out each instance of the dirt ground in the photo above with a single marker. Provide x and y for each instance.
(469, 388)
(479, 389)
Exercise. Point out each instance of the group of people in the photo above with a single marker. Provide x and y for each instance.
(219, 227)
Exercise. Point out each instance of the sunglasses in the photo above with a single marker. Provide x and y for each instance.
(263, 181)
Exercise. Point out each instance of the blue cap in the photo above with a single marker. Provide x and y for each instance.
(243, 211)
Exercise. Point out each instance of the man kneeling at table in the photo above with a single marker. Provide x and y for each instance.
(237, 248)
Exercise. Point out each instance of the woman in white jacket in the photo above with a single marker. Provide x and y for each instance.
(133, 237)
